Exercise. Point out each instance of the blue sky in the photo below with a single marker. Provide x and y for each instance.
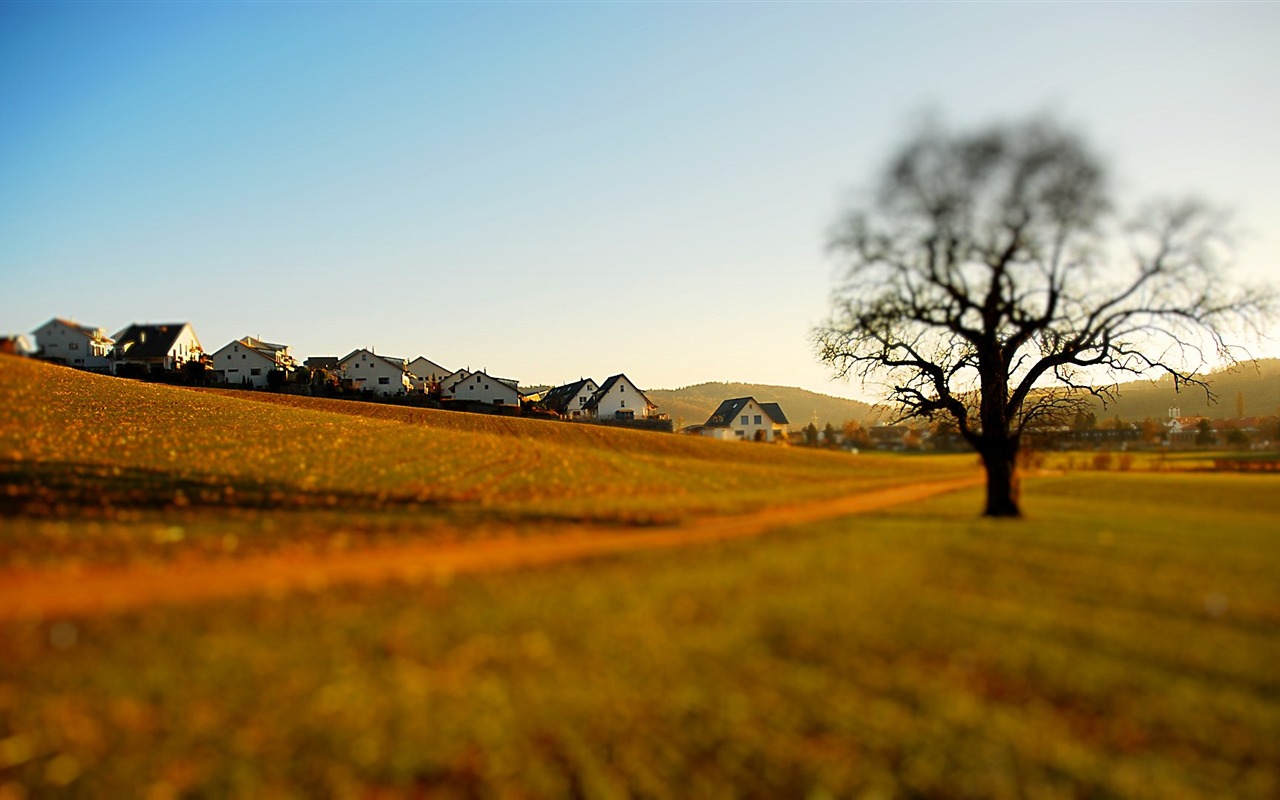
(552, 190)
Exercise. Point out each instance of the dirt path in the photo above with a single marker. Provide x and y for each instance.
(46, 593)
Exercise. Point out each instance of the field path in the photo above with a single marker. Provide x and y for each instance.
(46, 593)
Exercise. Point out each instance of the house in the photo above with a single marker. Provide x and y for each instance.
(425, 373)
(166, 346)
(369, 371)
(570, 401)
(618, 398)
(248, 361)
(746, 418)
(478, 387)
(16, 344)
(452, 379)
(73, 344)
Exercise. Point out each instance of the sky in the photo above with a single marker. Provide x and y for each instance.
(549, 191)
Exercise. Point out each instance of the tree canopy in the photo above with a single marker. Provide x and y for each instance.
(990, 279)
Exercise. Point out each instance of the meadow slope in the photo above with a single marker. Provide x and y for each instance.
(101, 468)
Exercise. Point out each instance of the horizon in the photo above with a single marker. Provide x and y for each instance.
(559, 190)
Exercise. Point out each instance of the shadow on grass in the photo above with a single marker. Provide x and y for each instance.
(71, 490)
(63, 488)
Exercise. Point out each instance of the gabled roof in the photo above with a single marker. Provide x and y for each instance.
(452, 378)
(416, 367)
(263, 347)
(398, 363)
(269, 351)
(775, 413)
(729, 410)
(149, 341)
(609, 383)
(90, 332)
(481, 374)
(265, 356)
(557, 399)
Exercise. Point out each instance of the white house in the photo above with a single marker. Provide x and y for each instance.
(16, 344)
(167, 346)
(570, 401)
(481, 388)
(452, 379)
(74, 344)
(247, 361)
(424, 372)
(382, 375)
(618, 398)
(745, 418)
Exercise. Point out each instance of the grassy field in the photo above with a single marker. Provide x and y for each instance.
(100, 469)
(1122, 641)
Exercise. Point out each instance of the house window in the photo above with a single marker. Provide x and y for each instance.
(497, 402)
(255, 372)
(744, 419)
(757, 419)
(384, 381)
(244, 355)
(624, 404)
(739, 434)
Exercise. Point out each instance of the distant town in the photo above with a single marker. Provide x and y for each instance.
(172, 353)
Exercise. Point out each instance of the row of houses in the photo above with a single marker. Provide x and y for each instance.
(250, 362)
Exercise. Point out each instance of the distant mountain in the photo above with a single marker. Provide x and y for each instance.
(693, 404)
(1254, 384)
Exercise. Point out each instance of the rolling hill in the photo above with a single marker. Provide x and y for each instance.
(1255, 385)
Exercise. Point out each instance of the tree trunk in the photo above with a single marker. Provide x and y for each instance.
(1003, 484)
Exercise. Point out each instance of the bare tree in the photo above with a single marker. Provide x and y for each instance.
(988, 279)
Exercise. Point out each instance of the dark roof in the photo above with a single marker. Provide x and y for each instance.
(594, 402)
(729, 410)
(148, 341)
(775, 413)
(322, 362)
(726, 412)
(557, 399)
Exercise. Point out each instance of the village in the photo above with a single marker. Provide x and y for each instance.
(173, 353)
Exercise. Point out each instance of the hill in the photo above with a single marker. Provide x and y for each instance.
(693, 404)
(1254, 384)
(226, 463)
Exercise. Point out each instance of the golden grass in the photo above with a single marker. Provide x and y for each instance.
(100, 467)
